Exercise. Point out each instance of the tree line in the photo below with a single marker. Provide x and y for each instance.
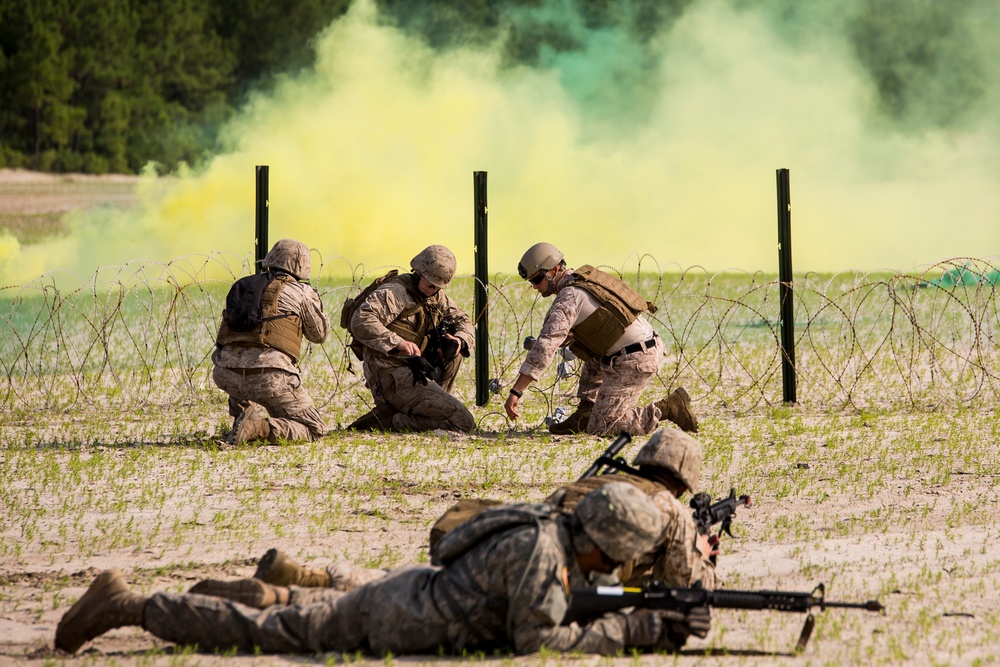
(110, 85)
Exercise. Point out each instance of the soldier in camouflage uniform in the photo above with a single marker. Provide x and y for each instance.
(599, 318)
(505, 583)
(667, 466)
(394, 324)
(259, 368)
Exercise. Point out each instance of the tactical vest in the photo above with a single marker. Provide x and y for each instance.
(281, 331)
(425, 316)
(569, 496)
(619, 306)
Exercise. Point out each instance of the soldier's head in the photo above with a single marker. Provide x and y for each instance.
(620, 521)
(672, 457)
(436, 265)
(540, 265)
(290, 256)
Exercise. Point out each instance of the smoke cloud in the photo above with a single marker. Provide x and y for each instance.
(631, 139)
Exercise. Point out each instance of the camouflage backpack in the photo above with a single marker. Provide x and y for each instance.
(351, 306)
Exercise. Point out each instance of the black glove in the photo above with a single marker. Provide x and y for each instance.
(666, 628)
(421, 369)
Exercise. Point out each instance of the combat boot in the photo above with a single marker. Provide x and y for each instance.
(107, 604)
(251, 592)
(576, 422)
(251, 426)
(277, 569)
(378, 418)
(677, 408)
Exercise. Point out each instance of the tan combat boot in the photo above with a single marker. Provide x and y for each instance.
(107, 604)
(576, 422)
(677, 408)
(251, 426)
(251, 592)
(277, 569)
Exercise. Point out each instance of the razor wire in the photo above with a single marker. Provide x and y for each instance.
(141, 335)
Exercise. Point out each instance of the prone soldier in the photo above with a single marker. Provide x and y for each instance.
(665, 467)
(505, 582)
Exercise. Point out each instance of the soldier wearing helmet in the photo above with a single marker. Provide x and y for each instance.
(394, 326)
(666, 467)
(259, 344)
(600, 319)
(504, 582)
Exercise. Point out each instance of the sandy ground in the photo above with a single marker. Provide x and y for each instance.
(899, 507)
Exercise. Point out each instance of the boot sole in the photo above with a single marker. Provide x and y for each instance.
(106, 584)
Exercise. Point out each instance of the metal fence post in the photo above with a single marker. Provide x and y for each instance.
(260, 234)
(785, 288)
(482, 280)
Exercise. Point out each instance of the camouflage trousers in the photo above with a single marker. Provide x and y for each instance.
(395, 614)
(420, 407)
(292, 413)
(615, 386)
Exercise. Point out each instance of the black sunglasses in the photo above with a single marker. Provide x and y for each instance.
(538, 278)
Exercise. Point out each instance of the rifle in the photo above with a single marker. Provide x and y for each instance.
(609, 459)
(440, 349)
(592, 603)
(707, 514)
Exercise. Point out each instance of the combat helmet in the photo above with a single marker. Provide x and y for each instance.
(676, 451)
(620, 520)
(539, 257)
(436, 264)
(290, 256)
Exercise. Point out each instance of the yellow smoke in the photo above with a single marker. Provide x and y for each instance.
(371, 157)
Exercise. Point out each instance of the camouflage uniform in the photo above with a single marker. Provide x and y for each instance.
(268, 376)
(508, 588)
(613, 382)
(417, 407)
(676, 560)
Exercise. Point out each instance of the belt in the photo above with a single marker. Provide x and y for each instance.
(630, 349)
(249, 371)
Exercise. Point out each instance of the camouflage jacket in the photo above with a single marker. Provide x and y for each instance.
(298, 298)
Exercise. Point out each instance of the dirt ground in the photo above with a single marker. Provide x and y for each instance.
(901, 507)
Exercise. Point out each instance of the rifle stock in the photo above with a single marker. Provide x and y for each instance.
(608, 458)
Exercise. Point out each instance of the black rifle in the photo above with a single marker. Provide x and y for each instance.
(593, 603)
(440, 349)
(707, 514)
(610, 460)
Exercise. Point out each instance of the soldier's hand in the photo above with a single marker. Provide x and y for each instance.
(408, 349)
(708, 545)
(511, 406)
(421, 369)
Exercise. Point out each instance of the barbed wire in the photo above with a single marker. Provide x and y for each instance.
(142, 334)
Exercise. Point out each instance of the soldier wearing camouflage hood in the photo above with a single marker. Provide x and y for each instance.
(256, 362)
(504, 582)
(393, 326)
(599, 318)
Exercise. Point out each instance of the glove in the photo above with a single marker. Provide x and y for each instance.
(666, 628)
(421, 369)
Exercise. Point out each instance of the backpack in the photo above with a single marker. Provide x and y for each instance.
(244, 302)
(351, 306)
(487, 522)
